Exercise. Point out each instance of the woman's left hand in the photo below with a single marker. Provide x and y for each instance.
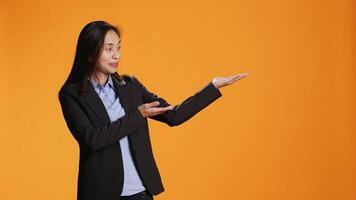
(224, 81)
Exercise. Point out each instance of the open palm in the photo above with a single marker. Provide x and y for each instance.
(224, 81)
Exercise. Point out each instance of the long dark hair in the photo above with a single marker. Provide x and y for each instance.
(89, 48)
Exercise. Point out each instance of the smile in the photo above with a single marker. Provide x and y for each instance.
(114, 64)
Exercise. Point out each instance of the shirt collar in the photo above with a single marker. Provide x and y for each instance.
(109, 83)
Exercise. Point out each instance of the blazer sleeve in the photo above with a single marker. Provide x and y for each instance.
(186, 109)
(96, 138)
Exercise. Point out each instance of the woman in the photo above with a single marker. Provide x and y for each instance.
(107, 115)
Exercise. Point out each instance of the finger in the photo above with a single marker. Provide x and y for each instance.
(233, 81)
(152, 104)
(155, 110)
(234, 77)
(159, 110)
(170, 107)
(162, 108)
(167, 108)
(241, 77)
(155, 113)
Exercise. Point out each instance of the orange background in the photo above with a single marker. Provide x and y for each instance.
(286, 132)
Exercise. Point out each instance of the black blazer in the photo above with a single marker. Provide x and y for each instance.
(100, 165)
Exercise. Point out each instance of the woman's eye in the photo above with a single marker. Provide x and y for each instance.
(110, 49)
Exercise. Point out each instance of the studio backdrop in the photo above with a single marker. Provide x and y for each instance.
(286, 132)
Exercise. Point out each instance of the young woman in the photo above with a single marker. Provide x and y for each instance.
(107, 115)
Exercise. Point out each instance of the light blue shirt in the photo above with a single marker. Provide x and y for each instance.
(132, 181)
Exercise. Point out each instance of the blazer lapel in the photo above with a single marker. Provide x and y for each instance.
(122, 92)
(93, 100)
(96, 104)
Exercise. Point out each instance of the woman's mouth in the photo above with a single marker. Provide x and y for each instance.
(114, 64)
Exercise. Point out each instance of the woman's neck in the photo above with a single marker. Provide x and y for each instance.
(100, 78)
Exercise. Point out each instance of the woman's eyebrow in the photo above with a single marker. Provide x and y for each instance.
(113, 43)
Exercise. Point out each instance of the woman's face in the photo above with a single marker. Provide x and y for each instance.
(108, 61)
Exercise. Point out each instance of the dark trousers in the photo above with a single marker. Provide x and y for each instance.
(145, 195)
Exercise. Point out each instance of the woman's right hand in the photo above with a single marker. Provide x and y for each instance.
(150, 109)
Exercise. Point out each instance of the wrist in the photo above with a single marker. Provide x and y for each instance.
(215, 85)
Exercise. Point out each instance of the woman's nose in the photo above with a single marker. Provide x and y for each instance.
(117, 54)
